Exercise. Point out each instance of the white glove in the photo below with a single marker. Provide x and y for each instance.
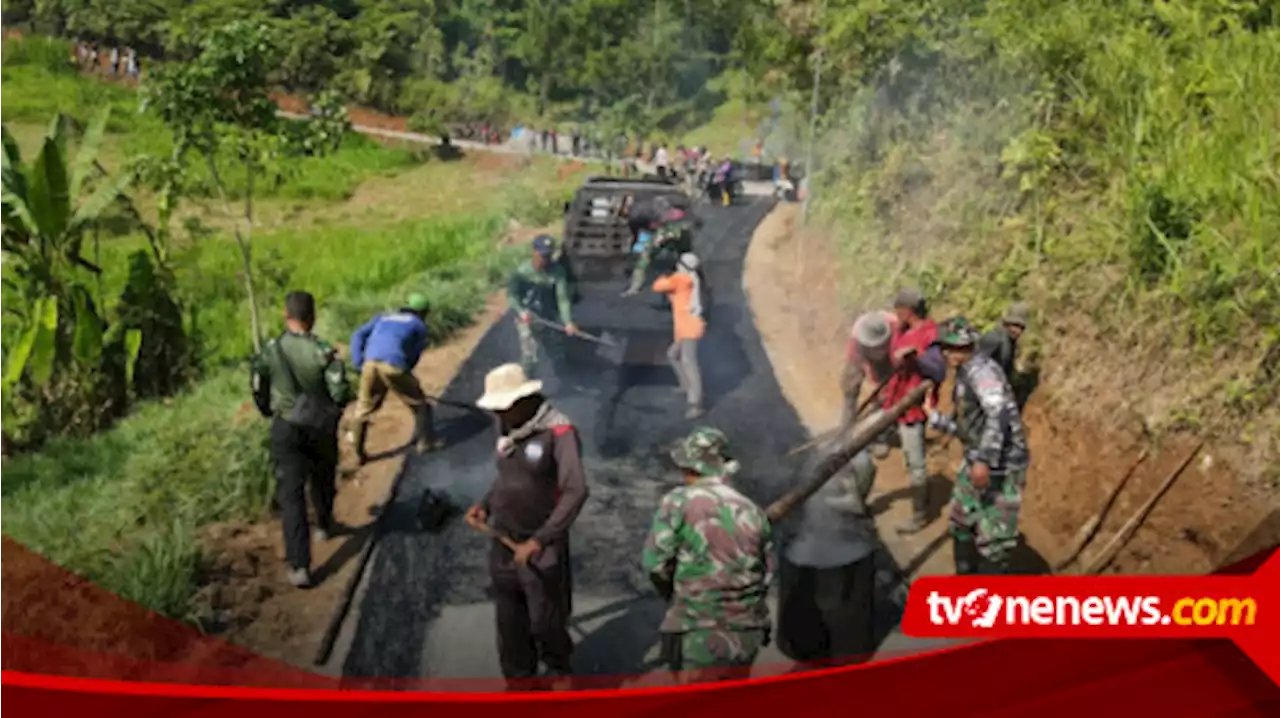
(937, 421)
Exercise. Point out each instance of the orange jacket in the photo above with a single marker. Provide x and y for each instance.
(680, 288)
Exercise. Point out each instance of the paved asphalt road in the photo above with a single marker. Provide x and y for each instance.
(425, 613)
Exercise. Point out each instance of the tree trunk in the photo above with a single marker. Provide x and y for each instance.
(244, 240)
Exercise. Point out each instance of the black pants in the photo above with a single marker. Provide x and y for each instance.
(303, 456)
(825, 614)
(533, 604)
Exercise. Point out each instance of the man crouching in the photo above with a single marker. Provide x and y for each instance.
(710, 556)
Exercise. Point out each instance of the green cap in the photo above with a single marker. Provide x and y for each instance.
(418, 302)
(957, 332)
(704, 451)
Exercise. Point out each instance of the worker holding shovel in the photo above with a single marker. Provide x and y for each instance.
(540, 287)
(989, 484)
(709, 554)
(685, 289)
(384, 351)
(540, 489)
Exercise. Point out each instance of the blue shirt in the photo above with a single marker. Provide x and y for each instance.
(397, 339)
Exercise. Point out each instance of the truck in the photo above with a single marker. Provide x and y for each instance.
(602, 224)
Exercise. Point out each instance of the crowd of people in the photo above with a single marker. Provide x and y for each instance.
(711, 551)
(119, 61)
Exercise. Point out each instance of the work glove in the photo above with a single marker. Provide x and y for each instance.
(938, 421)
(524, 317)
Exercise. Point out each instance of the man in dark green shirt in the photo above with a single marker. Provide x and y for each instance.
(301, 383)
(540, 286)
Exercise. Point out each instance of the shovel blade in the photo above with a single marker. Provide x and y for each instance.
(612, 348)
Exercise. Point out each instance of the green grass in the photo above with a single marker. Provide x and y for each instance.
(39, 83)
(124, 506)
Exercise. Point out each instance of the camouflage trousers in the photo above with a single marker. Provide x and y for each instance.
(711, 648)
(536, 341)
(988, 518)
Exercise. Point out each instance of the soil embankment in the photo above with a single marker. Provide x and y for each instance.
(795, 279)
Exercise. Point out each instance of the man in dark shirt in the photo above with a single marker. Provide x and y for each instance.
(299, 381)
(540, 490)
(1001, 343)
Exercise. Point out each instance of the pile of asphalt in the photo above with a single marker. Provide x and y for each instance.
(627, 418)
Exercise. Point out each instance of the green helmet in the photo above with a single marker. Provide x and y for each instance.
(957, 332)
(418, 303)
(704, 451)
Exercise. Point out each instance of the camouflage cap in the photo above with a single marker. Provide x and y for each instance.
(957, 332)
(704, 451)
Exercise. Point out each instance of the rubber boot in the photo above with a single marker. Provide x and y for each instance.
(359, 433)
(919, 511)
(966, 556)
(425, 430)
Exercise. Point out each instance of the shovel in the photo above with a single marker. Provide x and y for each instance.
(435, 509)
(610, 349)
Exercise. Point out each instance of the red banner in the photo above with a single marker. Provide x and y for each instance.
(1191, 674)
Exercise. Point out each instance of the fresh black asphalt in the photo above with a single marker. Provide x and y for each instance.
(424, 588)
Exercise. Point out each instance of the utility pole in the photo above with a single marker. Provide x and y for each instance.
(813, 113)
(813, 131)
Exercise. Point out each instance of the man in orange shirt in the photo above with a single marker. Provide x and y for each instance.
(684, 288)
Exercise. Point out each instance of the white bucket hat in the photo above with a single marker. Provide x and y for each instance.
(506, 385)
(871, 330)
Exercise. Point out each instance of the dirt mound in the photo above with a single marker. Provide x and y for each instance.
(57, 622)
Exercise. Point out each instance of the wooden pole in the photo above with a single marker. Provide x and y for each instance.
(850, 448)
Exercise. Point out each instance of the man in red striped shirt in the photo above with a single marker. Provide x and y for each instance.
(912, 337)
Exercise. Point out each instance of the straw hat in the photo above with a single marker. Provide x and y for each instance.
(506, 385)
(871, 330)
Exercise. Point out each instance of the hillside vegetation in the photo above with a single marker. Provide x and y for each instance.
(1114, 162)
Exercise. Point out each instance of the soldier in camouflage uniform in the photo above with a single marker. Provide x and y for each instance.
(710, 555)
(672, 231)
(990, 482)
(299, 381)
(541, 287)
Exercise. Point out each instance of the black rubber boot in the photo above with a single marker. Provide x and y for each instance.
(968, 562)
(425, 430)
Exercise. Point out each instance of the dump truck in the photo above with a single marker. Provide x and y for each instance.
(602, 224)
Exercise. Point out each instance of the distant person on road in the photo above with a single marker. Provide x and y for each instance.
(826, 577)
(538, 292)
(684, 288)
(540, 490)
(709, 554)
(987, 496)
(662, 162)
(115, 60)
(301, 384)
(385, 351)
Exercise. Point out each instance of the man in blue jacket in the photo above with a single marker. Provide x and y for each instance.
(384, 352)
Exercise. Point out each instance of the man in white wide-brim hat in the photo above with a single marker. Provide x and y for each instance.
(540, 489)
(867, 356)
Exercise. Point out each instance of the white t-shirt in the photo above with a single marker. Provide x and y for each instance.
(660, 159)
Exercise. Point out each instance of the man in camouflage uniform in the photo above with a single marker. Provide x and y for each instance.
(989, 484)
(671, 231)
(299, 381)
(540, 287)
(710, 555)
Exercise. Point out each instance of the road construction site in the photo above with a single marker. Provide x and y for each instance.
(421, 610)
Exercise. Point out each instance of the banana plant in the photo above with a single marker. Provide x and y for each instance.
(47, 205)
(33, 355)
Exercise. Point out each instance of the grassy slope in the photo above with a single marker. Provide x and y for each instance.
(1136, 207)
(123, 507)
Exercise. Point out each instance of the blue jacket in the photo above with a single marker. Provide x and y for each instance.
(397, 339)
